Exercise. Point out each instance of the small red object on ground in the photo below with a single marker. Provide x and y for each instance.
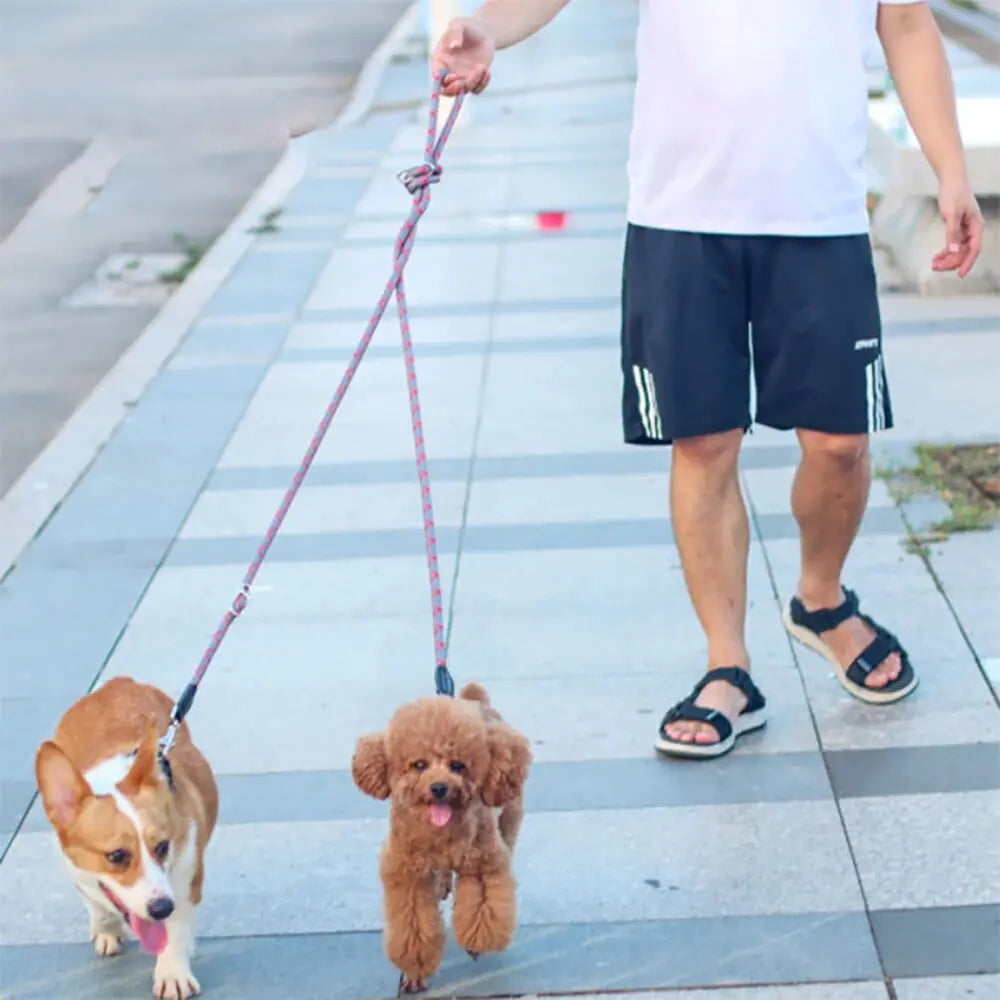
(551, 221)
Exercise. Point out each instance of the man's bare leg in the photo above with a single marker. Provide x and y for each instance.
(712, 533)
(829, 495)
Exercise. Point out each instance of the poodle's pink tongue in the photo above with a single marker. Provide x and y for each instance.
(440, 813)
(152, 934)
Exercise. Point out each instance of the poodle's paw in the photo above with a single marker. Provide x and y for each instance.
(484, 914)
(408, 985)
(482, 938)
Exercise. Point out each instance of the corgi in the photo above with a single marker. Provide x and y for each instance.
(132, 833)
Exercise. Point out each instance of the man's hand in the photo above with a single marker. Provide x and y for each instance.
(465, 52)
(963, 227)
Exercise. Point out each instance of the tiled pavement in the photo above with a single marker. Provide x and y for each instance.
(846, 853)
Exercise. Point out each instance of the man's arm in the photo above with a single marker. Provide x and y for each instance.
(511, 21)
(921, 75)
(465, 51)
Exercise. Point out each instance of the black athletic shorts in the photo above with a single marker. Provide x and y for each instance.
(700, 311)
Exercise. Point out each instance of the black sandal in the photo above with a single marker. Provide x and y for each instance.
(808, 627)
(751, 718)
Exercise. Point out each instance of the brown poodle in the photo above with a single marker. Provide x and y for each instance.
(455, 771)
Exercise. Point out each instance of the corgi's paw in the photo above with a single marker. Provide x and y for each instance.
(174, 981)
(107, 942)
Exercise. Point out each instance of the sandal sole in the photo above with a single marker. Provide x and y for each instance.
(743, 724)
(870, 696)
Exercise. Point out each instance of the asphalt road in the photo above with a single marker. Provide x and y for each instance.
(173, 112)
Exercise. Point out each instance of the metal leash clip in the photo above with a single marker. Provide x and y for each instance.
(416, 178)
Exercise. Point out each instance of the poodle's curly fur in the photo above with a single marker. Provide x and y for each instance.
(454, 757)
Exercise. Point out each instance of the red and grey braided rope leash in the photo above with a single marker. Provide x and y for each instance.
(417, 181)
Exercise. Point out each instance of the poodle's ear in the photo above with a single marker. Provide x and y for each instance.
(370, 766)
(510, 758)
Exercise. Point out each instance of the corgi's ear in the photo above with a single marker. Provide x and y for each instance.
(370, 766)
(145, 770)
(62, 787)
(510, 758)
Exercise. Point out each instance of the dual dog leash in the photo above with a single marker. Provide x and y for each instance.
(417, 181)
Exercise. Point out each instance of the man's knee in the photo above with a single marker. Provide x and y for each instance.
(711, 451)
(848, 451)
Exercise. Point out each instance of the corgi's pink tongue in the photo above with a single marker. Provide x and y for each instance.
(152, 934)
(440, 813)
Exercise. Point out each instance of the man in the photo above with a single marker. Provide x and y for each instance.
(747, 227)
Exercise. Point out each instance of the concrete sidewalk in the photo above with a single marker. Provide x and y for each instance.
(846, 853)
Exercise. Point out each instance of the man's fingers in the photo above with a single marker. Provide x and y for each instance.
(455, 38)
(974, 245)
(478, 83)
(953, 231)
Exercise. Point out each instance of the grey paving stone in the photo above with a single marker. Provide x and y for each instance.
(457, 330)
(175, 438)
(769, 488)
(797, 848)
(354, 278)
(475, 190)
(946, 865)
(914, 770)
(978, 611)
(268, 283)
(953, 703)
(475, 538)
(946, 941)
(622, 462)
(14, 797)
(823, 991)
(923, 512)
(573, 957)
(363, 507)
(561, 786)
(90, 605)
(449, 350)
(967, 395)
(984, 987)
(877, 567)
(350, 440)
(968, 562)
(232, 340)
(535, 270)
(317, 313)
(330, 195)
(918, 327)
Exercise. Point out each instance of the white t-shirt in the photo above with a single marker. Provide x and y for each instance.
(751, 116)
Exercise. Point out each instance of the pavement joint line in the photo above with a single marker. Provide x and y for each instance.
(42, 487)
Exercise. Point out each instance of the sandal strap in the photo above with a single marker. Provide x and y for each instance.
(824, 619)
(739, 679)
(882, 646)
(688, 711)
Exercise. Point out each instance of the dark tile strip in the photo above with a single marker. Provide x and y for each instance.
(597, 534)
(971, 324)
(300, 796)
(550, 959)
(362, 314)
(622, 462)
(940, 941)
(294, 796)
(914, 770)
(458, 349)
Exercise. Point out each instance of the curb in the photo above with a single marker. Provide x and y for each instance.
(55, 471)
